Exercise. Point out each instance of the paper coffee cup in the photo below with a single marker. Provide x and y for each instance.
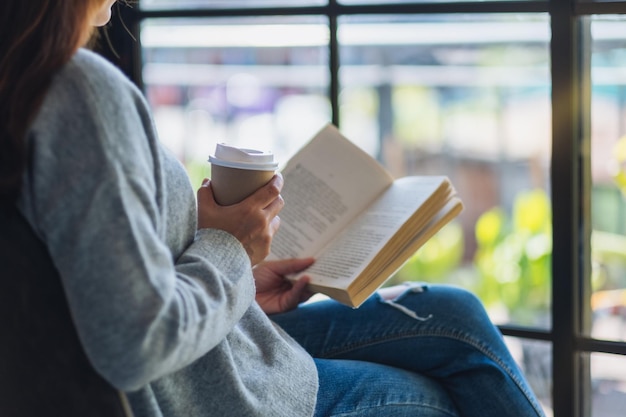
(236, 173)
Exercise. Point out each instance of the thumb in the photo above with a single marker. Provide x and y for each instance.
(206, 191)
(291, 266)
(296, 294)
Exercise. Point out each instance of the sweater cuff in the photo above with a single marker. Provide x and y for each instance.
(224, 248)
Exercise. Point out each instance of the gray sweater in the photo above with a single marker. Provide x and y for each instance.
(165, 312)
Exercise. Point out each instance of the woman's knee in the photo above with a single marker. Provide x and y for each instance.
(445, 295)
(457, 297)
(443, 301)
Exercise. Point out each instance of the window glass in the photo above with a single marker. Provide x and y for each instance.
(253, 82)
(442, 95)
(601, 1)
(356, 2)
(608, 171)
(219, 4)
(534, 358)
(608, 385)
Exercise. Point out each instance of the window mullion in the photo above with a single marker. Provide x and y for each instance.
(566, 197)
(333, 62)
(582, 306)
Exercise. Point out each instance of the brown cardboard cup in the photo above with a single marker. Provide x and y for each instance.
(231, 185)
(236, 173)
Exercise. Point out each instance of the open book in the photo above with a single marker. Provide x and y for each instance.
(344, 209)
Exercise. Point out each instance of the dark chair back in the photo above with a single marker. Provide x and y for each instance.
(43, 369)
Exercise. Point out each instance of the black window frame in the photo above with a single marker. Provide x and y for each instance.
(569, 171)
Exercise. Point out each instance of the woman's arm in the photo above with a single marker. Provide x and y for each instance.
(111, 208)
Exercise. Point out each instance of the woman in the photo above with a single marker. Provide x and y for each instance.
(170, 295)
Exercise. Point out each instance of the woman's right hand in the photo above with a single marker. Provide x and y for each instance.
(253, 221)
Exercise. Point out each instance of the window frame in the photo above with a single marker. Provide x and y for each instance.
(569, 171)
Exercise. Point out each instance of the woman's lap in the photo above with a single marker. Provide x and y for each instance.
(356, 388)
(439, 332)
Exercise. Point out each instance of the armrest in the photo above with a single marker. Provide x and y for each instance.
(43, 368)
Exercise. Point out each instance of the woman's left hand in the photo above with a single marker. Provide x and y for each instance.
(274, 292)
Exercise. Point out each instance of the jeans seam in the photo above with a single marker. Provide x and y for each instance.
(361, 409)
(480, 347)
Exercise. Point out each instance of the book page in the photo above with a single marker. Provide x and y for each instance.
(405, 249)
(327, 183)
(345, 257)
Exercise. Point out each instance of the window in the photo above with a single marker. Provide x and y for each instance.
(522, 104)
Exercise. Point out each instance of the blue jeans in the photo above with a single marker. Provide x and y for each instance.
(430, 352)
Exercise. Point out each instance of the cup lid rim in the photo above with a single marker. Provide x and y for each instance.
(243, 158)
(260, 166)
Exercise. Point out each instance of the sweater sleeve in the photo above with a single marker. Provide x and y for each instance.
(96, 193)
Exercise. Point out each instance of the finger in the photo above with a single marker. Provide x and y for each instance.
(267, 194)
(300, 289)
(274, 225)
(205, 193)
(305, 296)
(292, 297)
(300, 285)
(291, 266)
(273, 208)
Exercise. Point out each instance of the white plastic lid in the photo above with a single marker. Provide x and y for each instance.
(231, 157)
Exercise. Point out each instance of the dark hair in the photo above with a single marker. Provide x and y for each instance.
(37, 37)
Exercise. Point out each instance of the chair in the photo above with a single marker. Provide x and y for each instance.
(43, 368)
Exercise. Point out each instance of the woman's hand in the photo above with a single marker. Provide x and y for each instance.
(253, 221)
(274, 292)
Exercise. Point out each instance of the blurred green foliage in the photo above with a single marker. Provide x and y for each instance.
(513, 257)
(511, 267)
(619, 161)
(436, 260)
(608, 240)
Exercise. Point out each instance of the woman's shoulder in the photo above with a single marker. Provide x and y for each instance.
(89, 83)
(93, 64)
(89, 95)
(87, 68)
